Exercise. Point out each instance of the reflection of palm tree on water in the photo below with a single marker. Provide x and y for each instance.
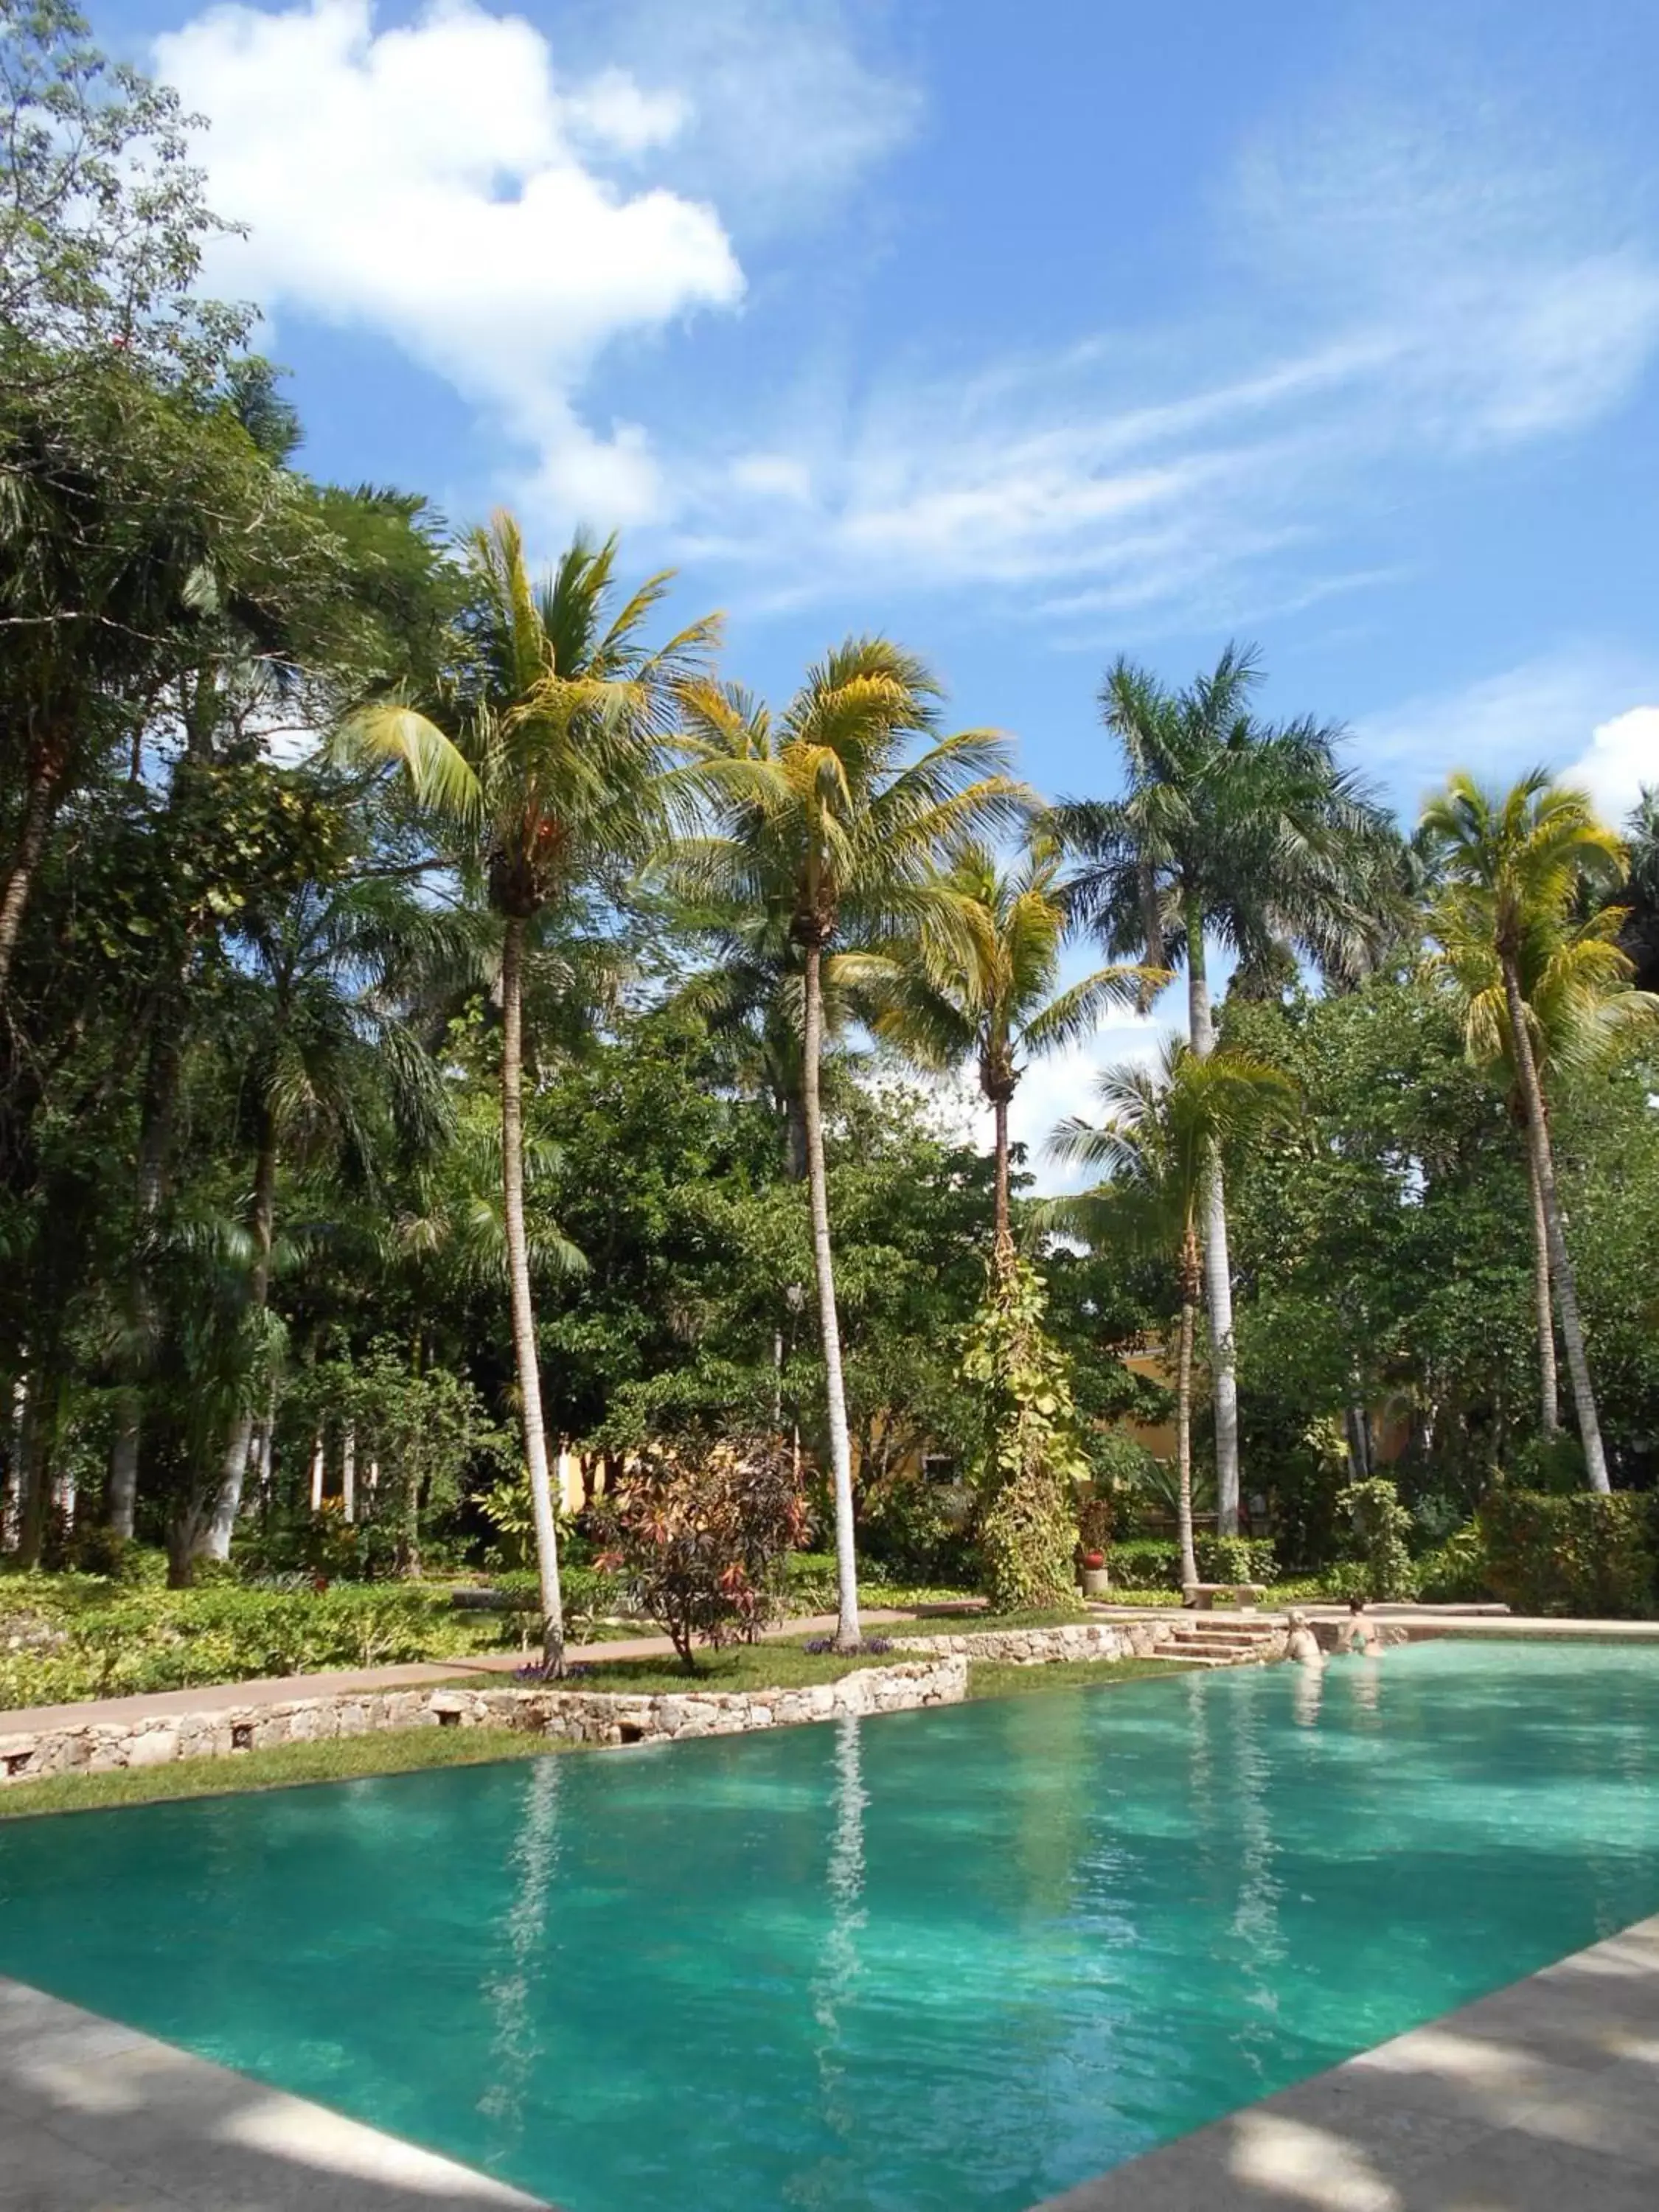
(516, 2049)
(838, 1967)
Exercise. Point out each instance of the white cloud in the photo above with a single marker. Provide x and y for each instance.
(1621, 761)
(428, 182)
(1569, 711)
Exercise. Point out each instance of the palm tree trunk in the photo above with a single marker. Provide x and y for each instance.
(163, 1066)
(1005, 1242)
(1549, 1384)
(1566, 1288)
(215, 1540)
(1184, 1445)
(523, 1311)
(25, 862)
(849, 1635)
(1218, 1261)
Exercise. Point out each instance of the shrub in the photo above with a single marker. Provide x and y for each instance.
(1455, 1572)
(1380, 1565)
(701, 1531)
(918, 1528)
(1589, 1555)
(1154, 1562)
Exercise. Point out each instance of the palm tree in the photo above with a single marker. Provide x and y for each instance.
(1639, 893)
(548, 758)
(1246, 832)
(977, 981)
(328, 1069)
(829, 808)
(1167, 1131)
(1575, 981)
(1513, 866)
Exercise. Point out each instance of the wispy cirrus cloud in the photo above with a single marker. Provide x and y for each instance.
(1416, 297)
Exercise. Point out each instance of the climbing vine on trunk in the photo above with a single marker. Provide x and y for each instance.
(1028, 1520)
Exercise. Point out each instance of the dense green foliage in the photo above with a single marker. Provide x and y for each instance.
(310, 1049)
(1580, 1554)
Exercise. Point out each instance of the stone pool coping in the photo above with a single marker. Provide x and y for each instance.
(98, 2118)
(1542, 2098)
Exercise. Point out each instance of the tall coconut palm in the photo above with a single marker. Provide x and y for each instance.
(1575, 980)
(831, 807)
(1514, 866)
(1246, 833)
(977, 981)
(1168, 1131)
(548, 758)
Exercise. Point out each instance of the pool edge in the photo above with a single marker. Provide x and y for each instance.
(93, 2110)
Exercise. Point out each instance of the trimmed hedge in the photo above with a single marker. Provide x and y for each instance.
(1154, 1562)
(1587, 1556)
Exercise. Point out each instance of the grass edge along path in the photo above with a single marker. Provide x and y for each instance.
(412, 1750)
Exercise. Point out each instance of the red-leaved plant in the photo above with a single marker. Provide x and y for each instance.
(700, 1528)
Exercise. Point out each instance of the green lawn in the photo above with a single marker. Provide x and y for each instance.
(391, 1751)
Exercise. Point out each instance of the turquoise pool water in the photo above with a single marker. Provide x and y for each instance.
(950, 1960)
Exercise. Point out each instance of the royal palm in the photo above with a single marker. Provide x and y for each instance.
(1246, 833)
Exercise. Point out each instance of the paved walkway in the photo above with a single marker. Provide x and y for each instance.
(96, 2118)
(1544, 2097)
(278, 1690)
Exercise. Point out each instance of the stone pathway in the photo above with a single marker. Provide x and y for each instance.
(1544, 2097)
(280, 1690)
(96, 2118)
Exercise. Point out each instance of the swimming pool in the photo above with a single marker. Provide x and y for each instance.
(960, 1958)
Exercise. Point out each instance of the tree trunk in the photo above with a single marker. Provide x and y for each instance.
(849, 1635)
(26, 861)
(349, 1472)
(1004, 1234)
(523, 1312)
(1184, 1445)
(1566, 1288)
(32, 1477)
(1218, 1263)
(215, 1540)
(1549, 1381)
(163, 1065)
(319, 1468)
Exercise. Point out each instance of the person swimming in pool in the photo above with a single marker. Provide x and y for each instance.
(1302, 1645)
(1361, 1635)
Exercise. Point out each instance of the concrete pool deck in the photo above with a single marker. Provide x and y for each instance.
(96, 2118)
(1542, 2098)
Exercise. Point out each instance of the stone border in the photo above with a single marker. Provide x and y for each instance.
(1043, 1647)
(577, 1715)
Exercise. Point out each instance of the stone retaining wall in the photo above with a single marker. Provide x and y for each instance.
(1042, 1647)
(600, 1716)
(579, 1716)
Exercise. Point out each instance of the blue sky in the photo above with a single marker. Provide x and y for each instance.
(1032, 334)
